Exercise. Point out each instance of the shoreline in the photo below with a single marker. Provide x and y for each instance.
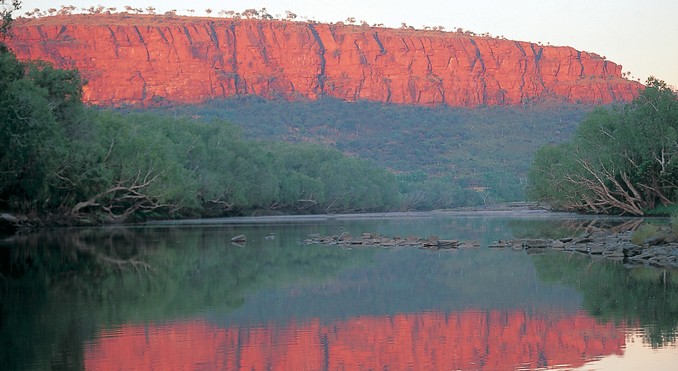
(10, 222)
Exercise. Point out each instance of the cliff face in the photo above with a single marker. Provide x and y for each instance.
(145, 60)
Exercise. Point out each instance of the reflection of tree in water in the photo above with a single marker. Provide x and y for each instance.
(560, 228)
(61, 288)
(644, 296)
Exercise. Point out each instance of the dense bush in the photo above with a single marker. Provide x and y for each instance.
(63, 158)
(467, 156)
(622, 160)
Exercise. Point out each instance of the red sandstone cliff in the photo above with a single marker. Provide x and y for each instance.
(145, 59)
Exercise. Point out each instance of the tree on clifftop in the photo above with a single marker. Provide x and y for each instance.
(6, 9)
(621, 160)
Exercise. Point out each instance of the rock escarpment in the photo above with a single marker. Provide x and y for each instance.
(147, 59)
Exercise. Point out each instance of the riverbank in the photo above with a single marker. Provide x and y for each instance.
(10, 222)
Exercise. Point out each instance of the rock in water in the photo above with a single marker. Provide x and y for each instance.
(9, 222)
(239, 238)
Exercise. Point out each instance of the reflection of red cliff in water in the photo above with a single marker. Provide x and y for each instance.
(433, 341)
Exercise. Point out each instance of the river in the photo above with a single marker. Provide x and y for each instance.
(180, 295)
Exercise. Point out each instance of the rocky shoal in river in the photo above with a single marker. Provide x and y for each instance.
(657, 251)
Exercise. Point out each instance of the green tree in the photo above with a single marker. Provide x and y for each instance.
(7, 7)
(61, 157)
(36, 102)
(622, 160)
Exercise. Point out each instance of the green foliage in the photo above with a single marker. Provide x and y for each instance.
(6, 9)
(60, 157)
(205, 169)
(422, 192)
(36, 102)
(469, 156)
(620, 160)
(664, 210)
(63, 88)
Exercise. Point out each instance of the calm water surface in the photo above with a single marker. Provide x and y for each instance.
(181, 296)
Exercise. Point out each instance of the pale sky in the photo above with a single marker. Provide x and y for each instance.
(641, 35)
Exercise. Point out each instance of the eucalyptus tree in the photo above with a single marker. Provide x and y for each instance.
(621, 160)
(7, 7)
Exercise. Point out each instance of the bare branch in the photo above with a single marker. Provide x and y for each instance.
(125, 198)
(110, 149)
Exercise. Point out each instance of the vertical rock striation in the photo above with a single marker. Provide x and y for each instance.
(146, 60)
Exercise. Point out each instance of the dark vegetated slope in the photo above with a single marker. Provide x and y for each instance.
(479, 155)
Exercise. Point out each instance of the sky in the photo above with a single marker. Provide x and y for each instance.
(641, 35)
